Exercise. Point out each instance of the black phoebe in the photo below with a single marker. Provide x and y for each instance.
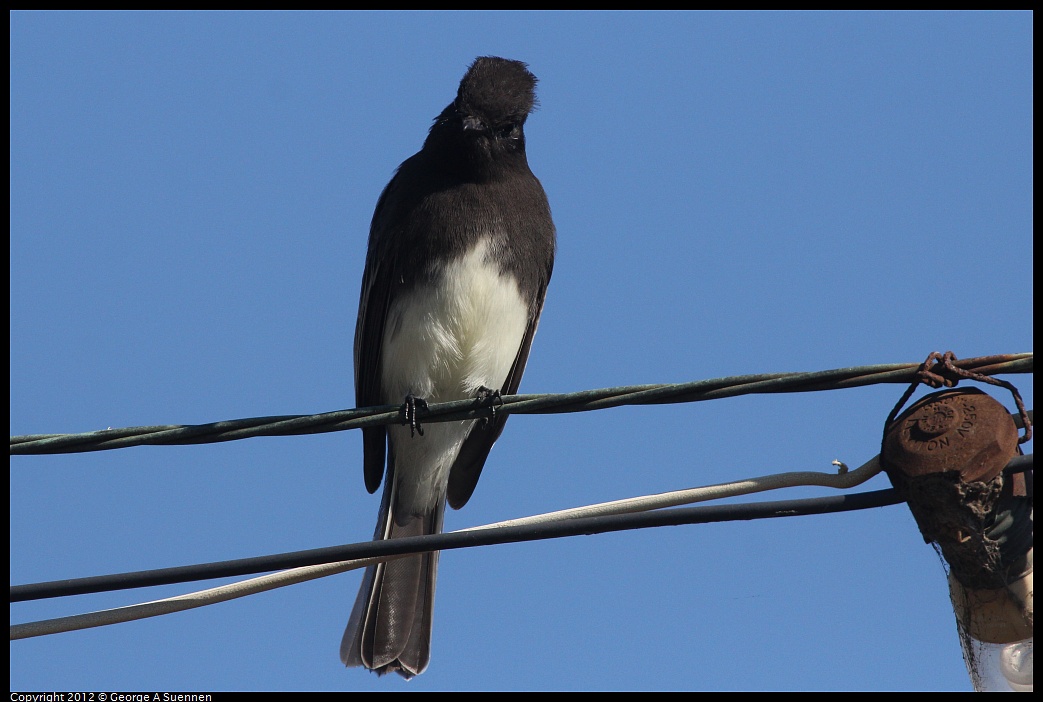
(461, 249)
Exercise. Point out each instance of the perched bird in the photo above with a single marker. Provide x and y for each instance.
(461, 249)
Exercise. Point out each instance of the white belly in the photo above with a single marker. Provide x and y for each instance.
(444, 342)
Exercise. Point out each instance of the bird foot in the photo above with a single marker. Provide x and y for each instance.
(492, 398)
(410, 411)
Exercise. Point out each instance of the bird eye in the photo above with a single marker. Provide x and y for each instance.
(508, 131)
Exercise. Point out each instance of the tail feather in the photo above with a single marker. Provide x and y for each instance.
(390, 625)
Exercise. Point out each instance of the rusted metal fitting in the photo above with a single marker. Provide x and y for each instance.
(945, 455)
(960, 430)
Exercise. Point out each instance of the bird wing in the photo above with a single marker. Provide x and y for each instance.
(374, 301)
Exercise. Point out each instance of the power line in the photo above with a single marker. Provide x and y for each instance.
(842, 479)
(608, 517)
(717, 388)
(460, 539)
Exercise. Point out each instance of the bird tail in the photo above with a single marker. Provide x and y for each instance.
(390, 626)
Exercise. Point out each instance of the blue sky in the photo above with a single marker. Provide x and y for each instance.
(734, 193)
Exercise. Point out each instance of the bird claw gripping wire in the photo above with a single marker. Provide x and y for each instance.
(945, 372)
(494, 400)
(410, 409)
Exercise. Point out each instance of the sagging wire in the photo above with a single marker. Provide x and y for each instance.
(632, 513)
(599, 518)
